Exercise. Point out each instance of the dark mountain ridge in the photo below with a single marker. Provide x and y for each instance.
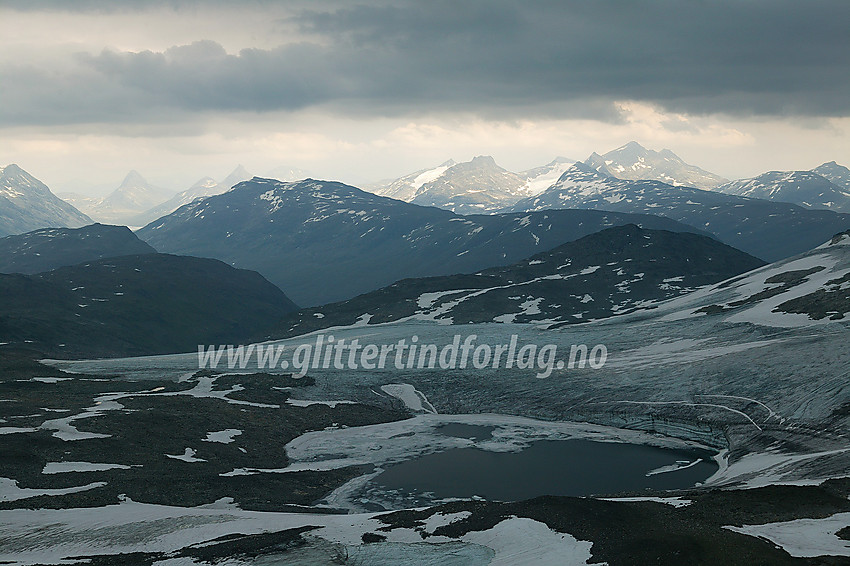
(326, 241)
(138, 305)
(49, 248)
(766, 229)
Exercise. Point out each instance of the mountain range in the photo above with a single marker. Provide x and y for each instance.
(481, 186)
(615, 271)
(472, 187)
(204, 187)
(804, 188)
(27, 204)
(326, 241)
(133, 196)
(766, 229)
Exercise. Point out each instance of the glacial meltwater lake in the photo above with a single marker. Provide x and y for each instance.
(573, 467)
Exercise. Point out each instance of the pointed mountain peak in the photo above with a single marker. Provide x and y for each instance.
(240, 171)
(133, 180)
(632, 146)
(448, 163)
(14, 176)
(237, 176)
(836, 173)
(11, 169)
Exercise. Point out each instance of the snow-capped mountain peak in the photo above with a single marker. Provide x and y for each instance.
(541, 178)
(18, 183)
(27, 204)
(474, 186)
(838, 175)
(635, 163)
(405, 188)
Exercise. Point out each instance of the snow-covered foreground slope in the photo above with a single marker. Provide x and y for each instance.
(32, 536)
(810, 288)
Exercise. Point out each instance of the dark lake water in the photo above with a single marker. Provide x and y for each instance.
(563, 467)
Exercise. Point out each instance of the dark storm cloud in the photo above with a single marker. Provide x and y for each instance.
(84, 6)
(496, 58)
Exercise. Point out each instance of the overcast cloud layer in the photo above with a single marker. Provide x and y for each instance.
(510, 59)
(326, 82)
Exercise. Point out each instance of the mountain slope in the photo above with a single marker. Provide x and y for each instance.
(205, 187)
(405, 188)
(49, 248)
(476, 186)
(804, 188)
(27, 204)
(541, 178)
(615, 271)
(471, 187)
(835, 173)
(133, 196)
(765, 229)
(813, 286)
(634, 162)
(326, 241)
(138, 305)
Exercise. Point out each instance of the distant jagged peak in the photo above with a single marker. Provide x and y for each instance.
(634, 162)
(484, 161)
(236, 176)
(133, 180)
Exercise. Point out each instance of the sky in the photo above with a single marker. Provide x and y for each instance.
(360, 91)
